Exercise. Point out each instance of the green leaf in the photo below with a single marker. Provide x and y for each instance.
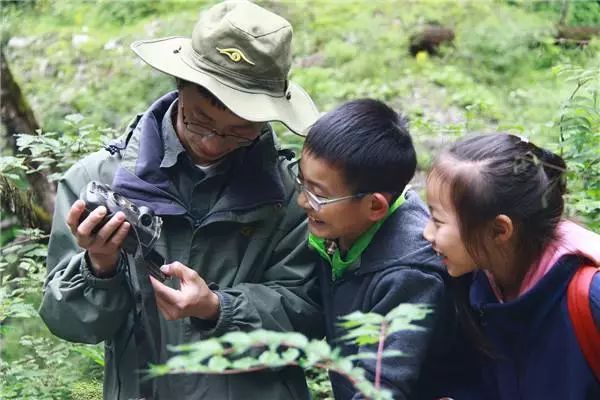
(364, 334)
(239, 341)
(295, 340)
(358, 318)
(271, 359)
(94, 353)
(245, 363)
(24, 140)
(317, 351)
(399, 325)
(290, 355)
(392, 353)
(74, 118)
(363, 356)
(203, 349)
(218, 364)
(409, 312)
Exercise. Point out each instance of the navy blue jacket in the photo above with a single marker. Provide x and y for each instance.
(399, 266)
(536, 353)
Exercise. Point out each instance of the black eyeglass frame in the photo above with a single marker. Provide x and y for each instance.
(206, 131)
(315, 201)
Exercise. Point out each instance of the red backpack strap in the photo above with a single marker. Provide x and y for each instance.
(578, 300)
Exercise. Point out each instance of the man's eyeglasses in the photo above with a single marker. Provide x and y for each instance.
(316, 202)
(204, 129)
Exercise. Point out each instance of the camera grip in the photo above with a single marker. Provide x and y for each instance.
(94, 196)
(88, 210)
(144, 224)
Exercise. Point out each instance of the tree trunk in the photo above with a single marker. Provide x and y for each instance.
(564, 12)
(576, 35)
(17, 117)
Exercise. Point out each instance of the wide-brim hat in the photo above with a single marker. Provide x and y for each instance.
(241, 53)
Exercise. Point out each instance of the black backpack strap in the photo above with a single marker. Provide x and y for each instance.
(147, 327)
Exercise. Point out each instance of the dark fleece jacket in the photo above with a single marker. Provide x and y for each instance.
(536, 354)
(399, 266)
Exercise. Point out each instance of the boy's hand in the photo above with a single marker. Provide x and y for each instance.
(193, 299)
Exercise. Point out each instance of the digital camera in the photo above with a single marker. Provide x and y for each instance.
(145, 225)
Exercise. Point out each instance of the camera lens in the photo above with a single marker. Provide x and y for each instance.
(146, 219)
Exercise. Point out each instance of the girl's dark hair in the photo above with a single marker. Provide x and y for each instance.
(489, 175)
(369, 142)
(494, 174)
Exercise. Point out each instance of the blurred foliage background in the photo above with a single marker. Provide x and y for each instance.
(526, 67)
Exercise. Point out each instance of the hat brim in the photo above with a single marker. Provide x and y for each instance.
(297, 111)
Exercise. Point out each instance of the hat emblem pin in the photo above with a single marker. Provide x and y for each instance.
(234, 55)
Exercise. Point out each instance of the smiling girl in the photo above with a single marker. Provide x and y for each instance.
(497, 203)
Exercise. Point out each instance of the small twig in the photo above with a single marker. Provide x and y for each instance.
(24, 241)
(382, 335)
(562, 117)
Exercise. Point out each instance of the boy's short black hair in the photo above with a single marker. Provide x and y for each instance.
(369, 142)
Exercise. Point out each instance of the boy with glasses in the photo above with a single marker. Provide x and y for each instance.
(366, 224)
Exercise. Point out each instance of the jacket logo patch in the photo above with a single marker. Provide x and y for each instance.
(247, 231)
(234, 55)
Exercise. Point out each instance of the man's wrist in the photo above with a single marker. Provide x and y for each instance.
(214, 308)
(107, 281)
(209, 309)
(101, 272)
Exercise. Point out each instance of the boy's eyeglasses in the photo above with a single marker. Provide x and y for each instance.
(203, 129)
(316, 202)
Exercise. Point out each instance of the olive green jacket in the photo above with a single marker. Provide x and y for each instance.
(250, 246)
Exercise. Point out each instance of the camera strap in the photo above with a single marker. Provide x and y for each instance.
(147, 329)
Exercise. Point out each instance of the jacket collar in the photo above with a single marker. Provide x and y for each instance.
(338, 264)
(254, 178)
(173, 147)
(552, 285)
(529, 311)
(398, 241)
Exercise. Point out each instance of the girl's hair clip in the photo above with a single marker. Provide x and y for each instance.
(520, 162)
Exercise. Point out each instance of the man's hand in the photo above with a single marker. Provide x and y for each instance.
(193, 299)
(103, 247)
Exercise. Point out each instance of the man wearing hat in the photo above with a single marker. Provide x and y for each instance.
(204, 159)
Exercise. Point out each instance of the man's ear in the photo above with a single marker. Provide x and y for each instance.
(502, 228)
(379, 206)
